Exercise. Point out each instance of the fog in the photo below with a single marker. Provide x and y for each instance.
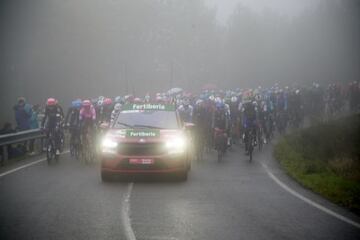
(86, 48)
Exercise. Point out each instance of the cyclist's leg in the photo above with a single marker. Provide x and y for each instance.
(57, 140)
(246, 138)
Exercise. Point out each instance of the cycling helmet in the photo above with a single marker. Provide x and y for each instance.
(247, 97)
(129, 98)
(51, 102)
(107, 101)
(117, 106)
(218, 100)
(94, 101)
(118, 99)
(233, 99)
(219, 105)
(100, 102)
(86, 103)
(199, 102)
(147, 98)
(76, 103)
(186, 102)
(137, 100)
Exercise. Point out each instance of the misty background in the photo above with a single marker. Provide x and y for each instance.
(86, 48)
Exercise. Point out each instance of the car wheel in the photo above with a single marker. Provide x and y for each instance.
(188, 165)
(106, 177)
(182, 176)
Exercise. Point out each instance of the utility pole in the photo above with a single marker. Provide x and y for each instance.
(126, 79)
(171, 73)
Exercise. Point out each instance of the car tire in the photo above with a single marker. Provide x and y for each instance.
(182, 176)
(106, 177)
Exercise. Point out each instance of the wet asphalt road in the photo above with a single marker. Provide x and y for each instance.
(233, 199)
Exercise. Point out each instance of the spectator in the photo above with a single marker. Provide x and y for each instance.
(23, 114)
(34, 119)
(34, 124)
(7, 129)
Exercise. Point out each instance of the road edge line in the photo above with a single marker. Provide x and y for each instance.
(125, 214)
(26, 166)
(307, 200)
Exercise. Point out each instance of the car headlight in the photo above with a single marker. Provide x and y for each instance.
(109, 145)
(176, 145)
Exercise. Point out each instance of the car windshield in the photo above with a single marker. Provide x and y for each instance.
(147, 119)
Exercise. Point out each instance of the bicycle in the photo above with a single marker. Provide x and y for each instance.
(220, 143)
(200, 138)
(87, 148)
(75, 144)
(260, 137)
(51, 145)
(250, 143)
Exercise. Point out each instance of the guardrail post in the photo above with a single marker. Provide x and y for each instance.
(5, 155)
(42, 144)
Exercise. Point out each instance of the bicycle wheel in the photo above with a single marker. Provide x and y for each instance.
(50, 151)
(91, 154)
(250, 154)
(251, 147)
(62, 141)
(77, 151)
(260, 139)
(199, 149)
(219, 155)
(84, 151)
(72, 150)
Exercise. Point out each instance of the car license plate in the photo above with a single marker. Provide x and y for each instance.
(141, 161)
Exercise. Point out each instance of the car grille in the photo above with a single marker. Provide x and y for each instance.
(141, 149)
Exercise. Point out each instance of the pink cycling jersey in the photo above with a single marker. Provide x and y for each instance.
(87, 113)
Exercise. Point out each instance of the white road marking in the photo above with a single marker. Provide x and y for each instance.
(26, 166)
(161, 238)
(312, 203)
(125, 214)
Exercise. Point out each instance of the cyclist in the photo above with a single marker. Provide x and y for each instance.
(234, 118)
(201, 121)
(115, 113)
(281, 111)
(186, 111)
(220, 124)
(87, 119)
(249, 119)
(147, 98)
(52, 121)
(72, 121)
(104, 109)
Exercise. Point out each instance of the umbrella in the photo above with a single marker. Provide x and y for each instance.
(209, 86)
(174, 91)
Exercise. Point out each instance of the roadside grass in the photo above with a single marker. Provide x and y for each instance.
(326, 159)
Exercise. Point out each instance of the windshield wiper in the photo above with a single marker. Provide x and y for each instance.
(124, 124)
(147, 126)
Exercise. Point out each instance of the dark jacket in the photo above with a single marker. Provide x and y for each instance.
(23, 114)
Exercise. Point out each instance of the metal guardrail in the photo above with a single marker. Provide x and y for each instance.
(13, 138)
